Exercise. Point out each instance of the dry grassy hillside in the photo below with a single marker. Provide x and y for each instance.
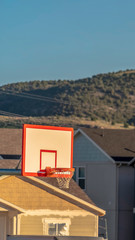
(17, 122)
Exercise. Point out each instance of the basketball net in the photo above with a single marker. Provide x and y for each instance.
(63, 175)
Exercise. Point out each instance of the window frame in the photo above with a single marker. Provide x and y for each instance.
(77, 178)
(47, 221)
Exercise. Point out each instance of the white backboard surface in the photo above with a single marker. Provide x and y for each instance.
(46, 146)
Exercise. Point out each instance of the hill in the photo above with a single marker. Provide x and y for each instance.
(109, 97)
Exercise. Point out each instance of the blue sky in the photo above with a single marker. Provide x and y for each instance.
(65, 39)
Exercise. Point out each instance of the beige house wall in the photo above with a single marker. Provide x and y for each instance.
(84, 224)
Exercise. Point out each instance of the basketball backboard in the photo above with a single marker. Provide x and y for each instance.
(46, 146)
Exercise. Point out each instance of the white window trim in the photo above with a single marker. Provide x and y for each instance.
(77, 175)
(46, 221)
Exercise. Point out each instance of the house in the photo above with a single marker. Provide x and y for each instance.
(36, 205)
(104, 163)
(10, 148)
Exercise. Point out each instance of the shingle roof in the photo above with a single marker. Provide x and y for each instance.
(11, 144)
(73, 195)
(10, 141)
(9, 163)
(117, 143)
(73, 189)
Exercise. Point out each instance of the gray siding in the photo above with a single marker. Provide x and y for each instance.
(101, 179)
(110, 186)
(126, 202)
(101, 185)
(85, 150)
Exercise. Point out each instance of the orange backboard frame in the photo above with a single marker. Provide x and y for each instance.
(25, 146)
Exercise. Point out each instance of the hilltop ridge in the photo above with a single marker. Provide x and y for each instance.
(108, 97)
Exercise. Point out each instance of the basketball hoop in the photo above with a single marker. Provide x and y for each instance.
(63, 175)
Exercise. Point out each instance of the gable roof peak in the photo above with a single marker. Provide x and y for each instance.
(115, 142)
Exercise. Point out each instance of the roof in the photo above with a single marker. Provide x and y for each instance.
(9, 163)
(73, 189)
(75, 195)
(117, 143)
(10, 141)
(5, 205)
(39, 187)
(11, 145)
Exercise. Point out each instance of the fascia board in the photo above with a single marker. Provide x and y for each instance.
(4, 176)
(77, 131)
(133, 160)
(11, 205)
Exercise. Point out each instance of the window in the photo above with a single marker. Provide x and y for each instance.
(80, 176)
(56, 227)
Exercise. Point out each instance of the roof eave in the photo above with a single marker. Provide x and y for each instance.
(11, 205)
(90, 207)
